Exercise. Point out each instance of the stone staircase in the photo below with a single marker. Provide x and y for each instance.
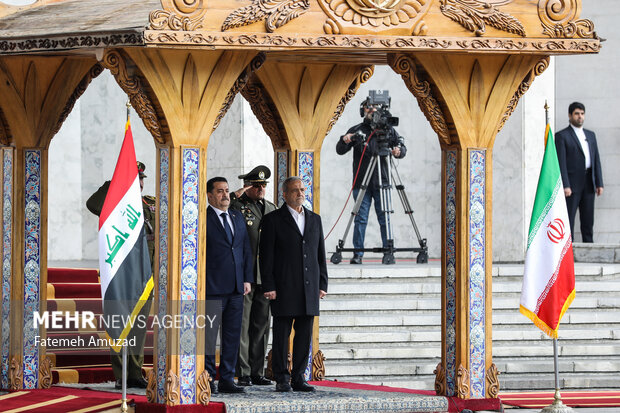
(382, 325)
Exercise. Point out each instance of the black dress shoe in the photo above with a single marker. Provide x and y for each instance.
(261, 381)
(137, 383)
(283, 387)
(229, 387)
(303, 386)
(213, 387)
(357, 259)
(244, 381)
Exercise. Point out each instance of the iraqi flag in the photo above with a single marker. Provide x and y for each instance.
(549, 279)
(124, 261)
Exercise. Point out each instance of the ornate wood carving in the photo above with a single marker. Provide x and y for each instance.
(406, 67)
(71, 42)
(269, 368)
(5, 131)
(440, 380)
(318, 366)
(239, 84)
(364, 75)
(172, 389)
(462, 382)
(182, 15)
(45, 372)
(537, 70)
(474, 15)
(275, 13)
(374, 14)
(15, 374)
(132, 86)
(204, 388)
(79, 91)
(265, 112)
(559, 19)
(151, 387)
(492, 381)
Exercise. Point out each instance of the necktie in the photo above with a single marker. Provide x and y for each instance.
(227, 228)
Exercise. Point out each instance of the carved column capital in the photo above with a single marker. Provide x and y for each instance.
(181, 15)
(462, 382)
(151, 387)
(132, 85)
(365, 74)
(405, 66)
(559, 18)
(15, 373)
(440, 380)
(265, 112)
(318, 366)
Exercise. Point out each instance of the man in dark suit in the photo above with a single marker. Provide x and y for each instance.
(228, 279)
(294, 273)
(580, 166)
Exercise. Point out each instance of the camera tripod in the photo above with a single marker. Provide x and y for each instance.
(377, 161)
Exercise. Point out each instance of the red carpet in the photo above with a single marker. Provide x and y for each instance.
(535, 400)
(61, 399)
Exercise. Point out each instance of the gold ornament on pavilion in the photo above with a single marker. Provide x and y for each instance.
(492, 381)
(183, 15)
(45, 372)
(275, 13)
(151, 387)
(474, 15)
(559, 19)
(375, 14)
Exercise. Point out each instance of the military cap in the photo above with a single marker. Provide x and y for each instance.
(260, 174)
(141, 168)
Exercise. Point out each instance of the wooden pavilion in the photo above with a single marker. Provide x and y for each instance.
(298, 63)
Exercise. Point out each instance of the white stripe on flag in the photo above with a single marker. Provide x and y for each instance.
(116, 230)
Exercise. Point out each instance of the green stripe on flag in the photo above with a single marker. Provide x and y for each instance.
(549, 183)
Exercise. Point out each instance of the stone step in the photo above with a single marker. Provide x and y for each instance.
(534, 381)
(397, 302)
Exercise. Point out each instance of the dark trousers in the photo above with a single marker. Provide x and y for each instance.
(301, 347)
(582, 199)
(254, 333)
(232, 309)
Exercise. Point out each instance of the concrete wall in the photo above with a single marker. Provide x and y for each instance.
(593, 80)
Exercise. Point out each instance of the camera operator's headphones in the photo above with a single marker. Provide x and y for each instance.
(364, 104)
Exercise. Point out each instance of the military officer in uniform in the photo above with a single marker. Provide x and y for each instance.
(250, 201)
(135, 355)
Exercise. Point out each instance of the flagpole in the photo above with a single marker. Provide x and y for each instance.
(124, 407)
(557, 406)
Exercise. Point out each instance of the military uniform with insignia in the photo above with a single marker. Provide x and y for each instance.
(256, 313)
(135, 355)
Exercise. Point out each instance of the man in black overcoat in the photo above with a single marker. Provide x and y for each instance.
(580, 166)
(294, 273)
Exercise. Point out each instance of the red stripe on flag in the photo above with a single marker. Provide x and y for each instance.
(124, 175)
(552, 308)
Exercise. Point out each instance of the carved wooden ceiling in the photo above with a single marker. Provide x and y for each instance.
(361, 29)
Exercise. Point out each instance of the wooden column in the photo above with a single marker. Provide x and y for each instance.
(181, 95)
(467, 99)
(38, 94)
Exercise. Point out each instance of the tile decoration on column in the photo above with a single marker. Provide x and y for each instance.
(477, 240)
(308, 371)
(282, 174)
(7, 233)
(306, 173)
(450, 287)
(189, 272)
(164, 184)
(32, 270)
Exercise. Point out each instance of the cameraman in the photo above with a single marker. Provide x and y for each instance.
(355, 138)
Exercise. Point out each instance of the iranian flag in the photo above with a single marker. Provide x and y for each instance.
(124, 261)
(549, 279)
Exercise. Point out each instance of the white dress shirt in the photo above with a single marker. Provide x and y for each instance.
(299, 217)
(584, 144)
(219, 213)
